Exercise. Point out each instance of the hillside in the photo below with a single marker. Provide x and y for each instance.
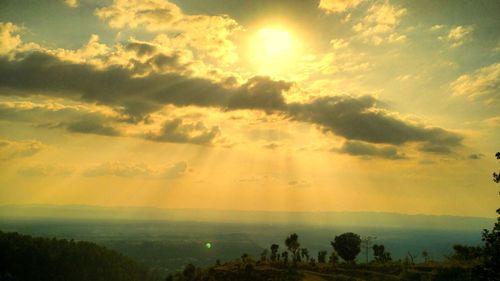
(24, 257)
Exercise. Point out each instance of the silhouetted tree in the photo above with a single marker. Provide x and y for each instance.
(466, 253)
(380, 254)
(293, 245)
(496, 176)
(305, 254)
(333, 259)
(425, 255)
(491, 239)
(274, 252)
(284, 255)
(491, 251)
(366, 242)
(322, 256)
(411, 258)
(347, 246)
(244, 257)
(189, 272)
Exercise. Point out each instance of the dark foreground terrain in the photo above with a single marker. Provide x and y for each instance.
(23, 257)
(167, 246)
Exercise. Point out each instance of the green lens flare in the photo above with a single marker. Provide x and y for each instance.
(208, 245)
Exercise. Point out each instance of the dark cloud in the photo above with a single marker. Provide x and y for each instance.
(141, 48)
(358, 148)
(160, 63)
(91, 126)
(358, 118)
(139, 96)
(177, 131)
(354, 118)
(44, 116)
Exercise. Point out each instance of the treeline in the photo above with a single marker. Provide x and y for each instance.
(467, 263)
(23, 257)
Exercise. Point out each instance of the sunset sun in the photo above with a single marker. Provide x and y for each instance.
(273, 50)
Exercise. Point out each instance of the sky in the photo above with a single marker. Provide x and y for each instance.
(270, 105)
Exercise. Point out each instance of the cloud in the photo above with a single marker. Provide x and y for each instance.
(271, 145)
(437, 27)
(339, 44)
(345, 62)
(151, 14)
(130, 170)
(9, 37)
(71, 3)
(179, 132)
(299, 183)
(492, 122)
(19, 149)
(138, 96)
(357, 148)
(45, 170)
(89, 53)
(50, 114)
(354, 118)
(209, 35)
(379, 24)
(91, 126)
(476, 156)
(337, 6)
(174, 171)
(436, 148)
(457, 35)
(10, 40)
(482, 85)
(358, 118)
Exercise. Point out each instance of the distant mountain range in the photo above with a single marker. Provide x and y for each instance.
(365, 219)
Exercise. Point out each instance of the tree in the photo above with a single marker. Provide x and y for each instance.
(244, 257)
(496, 176)
(305, 254)
(348, 246)
(380, 254)
(425, 255)
(274, 252)
(491, 239)
(293, 245)
(321, 256)
(411, 258)
(189, 272)
(284, 255)
(367, 242)
(334, 258)
(466, 253)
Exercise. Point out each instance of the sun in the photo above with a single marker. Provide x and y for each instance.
(273, 50)
(274, 43)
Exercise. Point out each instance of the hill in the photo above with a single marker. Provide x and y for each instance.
(24, 257)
